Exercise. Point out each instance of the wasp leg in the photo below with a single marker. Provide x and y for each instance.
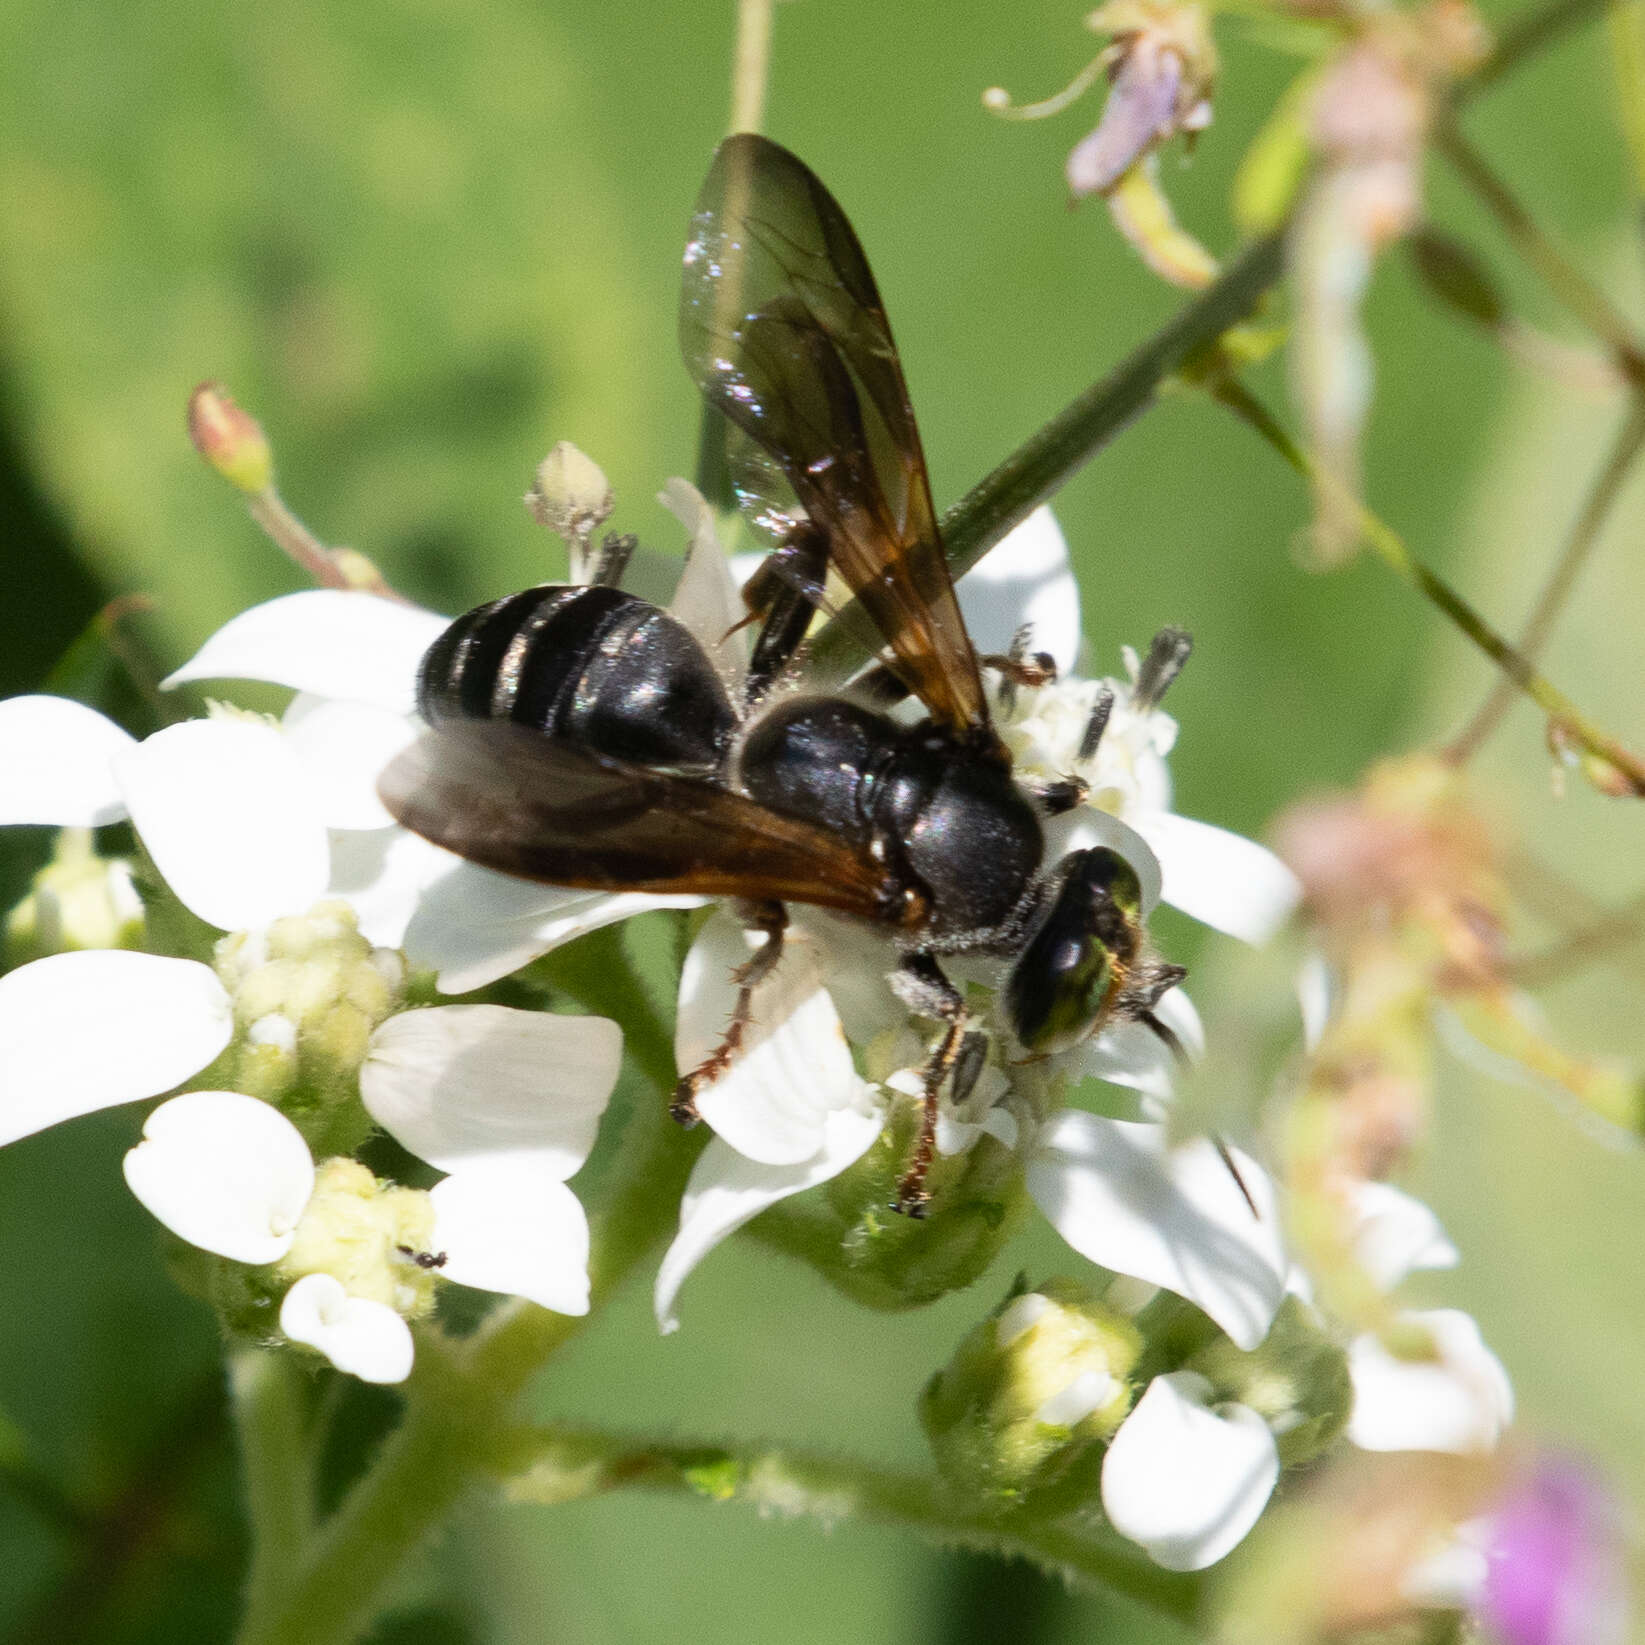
(922, 987)
(1016, 667)
(771, 918)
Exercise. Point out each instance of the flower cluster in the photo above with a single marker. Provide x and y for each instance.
(309, 1023)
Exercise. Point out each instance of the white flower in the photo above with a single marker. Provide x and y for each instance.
(248, 821)
(90, 1030)
(1174, 1217)
(1460, 1400)
(789, 1112)
(507, 1102)
(1184, 1479)
(1218, 877)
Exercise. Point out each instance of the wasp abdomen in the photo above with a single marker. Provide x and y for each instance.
(592, 664)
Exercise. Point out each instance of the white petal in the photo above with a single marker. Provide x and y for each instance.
(1397, 1234)
(1174, 1217)
(79, 1032)
(463, 1084)
(1085, 827)
(56, 763)
(1185, 1481)
(1127, 1054)
(230, 820)
(382, 874)
(727, 1189)
(343, 747)
(1460, 1402)
(225, 1172)
(366, 1339)
(511, 1225)
(473, 925)
(325, 640)
(794, 1067)
(1025, 578)
(706, 600)
(1231, 883)
(1314, 998)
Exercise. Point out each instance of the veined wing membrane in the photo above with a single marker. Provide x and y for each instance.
(783, 330)
(510, 798)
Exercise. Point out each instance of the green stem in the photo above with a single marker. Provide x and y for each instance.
(1390, 548)
(1563, 278)
(1045, 462)
(1522, 38)
(751, 64)
(573, 1463)
(1567, 568)
(458, 1431)
(271, 1419)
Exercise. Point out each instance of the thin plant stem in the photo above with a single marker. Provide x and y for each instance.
(751, 64)
(1047, 460)
(329, 567)
(458, 1431)
(572, 1463)
(1605, 937)
(1573, 557)
(1523, 38)
(1381, 538)
(269, 1399)
(1563, 278)
(1626, 28)
(750, 75)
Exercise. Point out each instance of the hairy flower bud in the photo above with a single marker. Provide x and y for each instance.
(307, 993)
(230, 439)
(570, 496)
(77, 901)
(851, 1234)
(1296, 1380)
(1031, 1397)
(368, 1235)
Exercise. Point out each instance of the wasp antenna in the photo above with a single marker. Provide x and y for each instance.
(1166, 1036)
(1233, 1171)
(1097, 724)
(1160, 667)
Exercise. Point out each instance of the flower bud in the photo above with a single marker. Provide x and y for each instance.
(1296, 1380)
(571, 495)
(307, 993)
(850, 1233)
(368, 1236)
(78, 900)
(1030, 1399)
(230, 439)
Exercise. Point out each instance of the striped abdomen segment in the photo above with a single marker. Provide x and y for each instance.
(592, 664)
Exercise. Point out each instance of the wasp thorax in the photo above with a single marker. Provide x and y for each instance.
(1080, 958)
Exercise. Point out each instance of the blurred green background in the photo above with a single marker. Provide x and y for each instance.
(423, 239)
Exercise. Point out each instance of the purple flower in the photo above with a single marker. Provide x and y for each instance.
(1554, 1571)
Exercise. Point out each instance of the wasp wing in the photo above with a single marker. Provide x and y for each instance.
(510, 798)
(783, 329)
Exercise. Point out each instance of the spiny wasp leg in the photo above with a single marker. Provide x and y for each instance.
(1016, 667)
(770, 918)
(922, 987)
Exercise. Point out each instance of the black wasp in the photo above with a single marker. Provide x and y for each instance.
(583, 737)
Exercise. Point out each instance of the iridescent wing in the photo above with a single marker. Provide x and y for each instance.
(510, 798)
(783, 330)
